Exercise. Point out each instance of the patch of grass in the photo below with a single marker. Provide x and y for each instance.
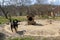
(3, 20)
(44, 39)
(57, 18)
(48, 17)
(20, 18)
(14, 39)
(25, 38)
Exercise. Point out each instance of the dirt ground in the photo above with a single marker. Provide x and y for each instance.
(42, 28)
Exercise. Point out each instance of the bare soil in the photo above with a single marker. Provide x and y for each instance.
(42, 28)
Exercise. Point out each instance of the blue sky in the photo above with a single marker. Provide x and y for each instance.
(55, 2)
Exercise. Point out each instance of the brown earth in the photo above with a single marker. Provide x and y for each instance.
(43, 28)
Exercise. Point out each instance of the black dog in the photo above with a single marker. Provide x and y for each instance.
(14, 25)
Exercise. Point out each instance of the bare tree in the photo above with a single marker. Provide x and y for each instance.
(4, 12)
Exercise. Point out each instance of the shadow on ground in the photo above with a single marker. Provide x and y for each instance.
(21, 32)
(2, 36)
(38, 25)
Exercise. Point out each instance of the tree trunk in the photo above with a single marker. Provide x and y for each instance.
(5, 13)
